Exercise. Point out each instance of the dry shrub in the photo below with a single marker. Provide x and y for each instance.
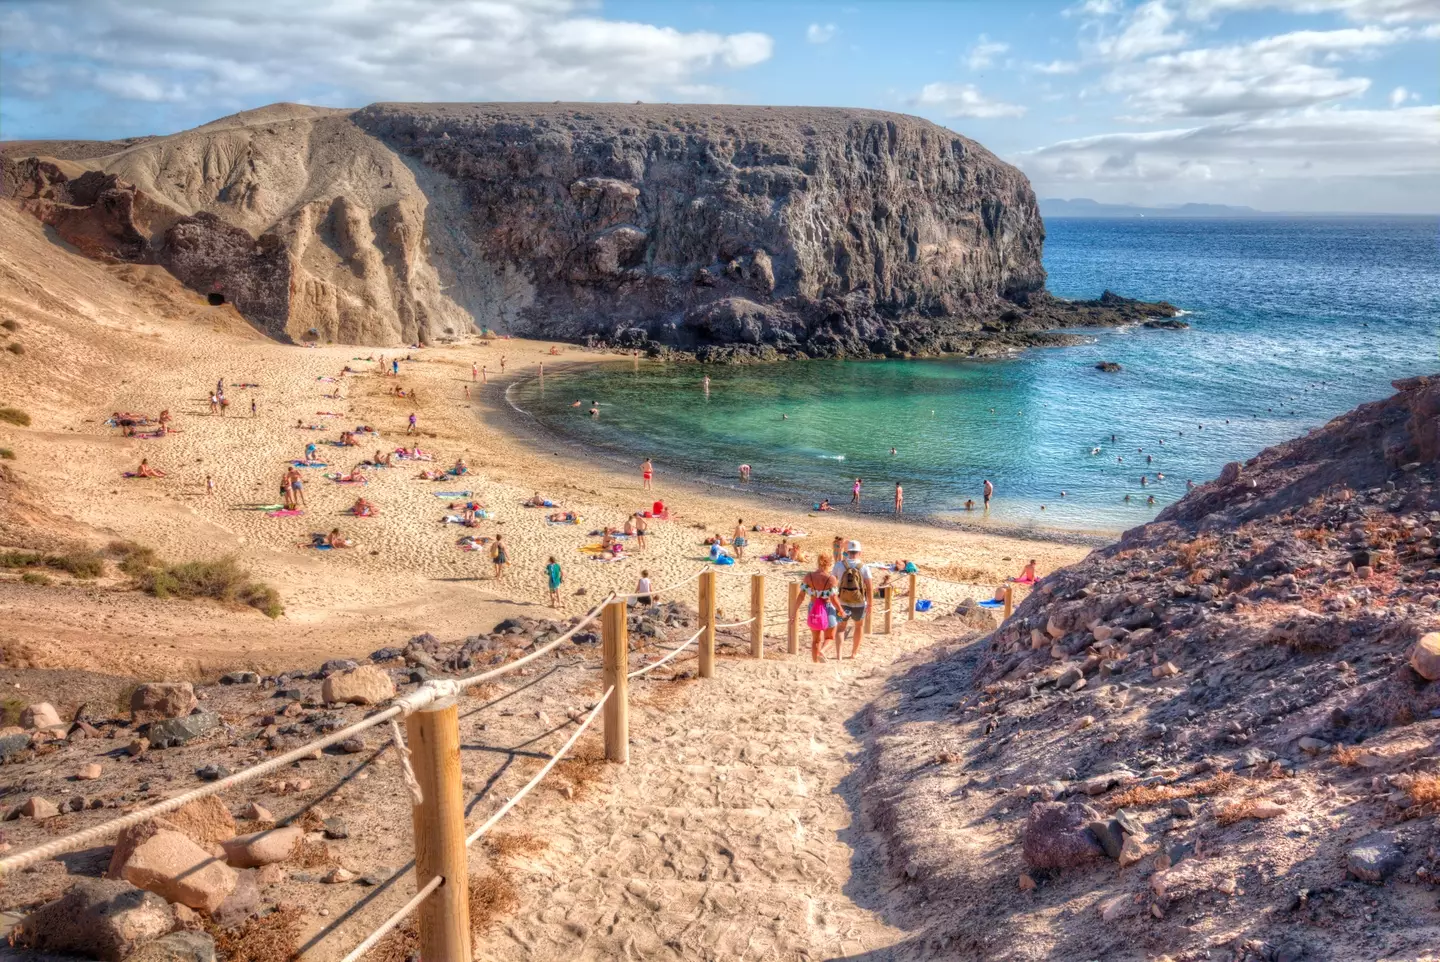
(1318, 536)
(662, 694)
(1144, 795)
(269, 938)
(312, 854)
(491, 896)
(511, 844)
(1424, 792)
(1191, 551)
(15, 416)
(580, 769)
(223, 580)
(1238, 812)
(1347, 755)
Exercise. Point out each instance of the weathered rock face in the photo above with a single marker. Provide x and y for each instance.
(643, 216)
(726, 231)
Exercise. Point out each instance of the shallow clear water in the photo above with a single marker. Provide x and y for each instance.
(1293, 322)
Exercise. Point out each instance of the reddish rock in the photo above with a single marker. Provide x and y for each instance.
(174, 867)
(162, 699)
(1055, 836)
(262, 848)
(366, 685)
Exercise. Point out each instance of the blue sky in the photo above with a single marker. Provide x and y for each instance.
(1278, 104)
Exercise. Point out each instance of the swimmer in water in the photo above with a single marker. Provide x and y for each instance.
(594, 412)
(1152, 500)
(1144, 480)
(892, 452)
(1189, 484)
(1159, 477)
(1094, 450)
(1127, 499)
(1149, 458)
(575, 405)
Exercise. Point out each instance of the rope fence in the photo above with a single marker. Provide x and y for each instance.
(429, 750)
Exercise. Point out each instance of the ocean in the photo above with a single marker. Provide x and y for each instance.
(1293, 321)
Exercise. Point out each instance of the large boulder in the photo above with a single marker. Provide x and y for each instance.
(96, 919)
(1055, 836)
(40, 715)
(1375, 858)
(162, 699)
(1425, 657)
(175, 868)
(366, 685)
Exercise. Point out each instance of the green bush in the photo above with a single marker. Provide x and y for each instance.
(11, 326)
(16, 348)
(222, 580)
(10, 709)
(81, 564)
(135, 559)
(6, 454)
(36, 578)
(15, 416)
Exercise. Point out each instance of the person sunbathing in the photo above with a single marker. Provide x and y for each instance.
(145, 471)
(353, 477)
(793, 552)
(362, 508)
(562, 516)
(782, 550)
(380, 458)
(334, 539)
(430, 475)
(461, 468)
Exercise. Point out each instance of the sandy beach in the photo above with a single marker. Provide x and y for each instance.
(122, 338)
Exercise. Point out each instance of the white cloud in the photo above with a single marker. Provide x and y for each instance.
(1093, 8)
(231, 52)
(821, 32)
(1360, 11)
(984, 52)
(1056, 67)
(1399, 95)
(1344, 159)
(1274, 73)
(1146, 31)
(963, 100)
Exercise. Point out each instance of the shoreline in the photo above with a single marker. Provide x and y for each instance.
(764, 493)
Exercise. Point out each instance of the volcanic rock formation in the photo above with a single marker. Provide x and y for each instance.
(726, 231)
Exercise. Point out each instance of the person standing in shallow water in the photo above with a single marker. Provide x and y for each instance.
(855, 491)
(899, 498)
(989, 493)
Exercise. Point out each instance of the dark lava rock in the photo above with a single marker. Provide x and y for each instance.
(178, 731)
(13, 745)
(336, 664)
(1375, 858)
(387, 654)
(1107, 366)
(1055, 836)
(335, 827)
(240, 678)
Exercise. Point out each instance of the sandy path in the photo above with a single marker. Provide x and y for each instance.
(728, 836)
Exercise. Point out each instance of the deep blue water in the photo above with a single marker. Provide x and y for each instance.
(1293, 320)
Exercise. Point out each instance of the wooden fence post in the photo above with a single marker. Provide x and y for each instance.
(707, 622)
(757, 614)
(615, 636)
(889, 592)
(792, 630)
(433, 734)
(910, 614)
(1009, 600)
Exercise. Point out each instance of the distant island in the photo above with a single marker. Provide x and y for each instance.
(1085, 207)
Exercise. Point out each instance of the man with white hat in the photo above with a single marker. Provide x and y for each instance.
(852, 594)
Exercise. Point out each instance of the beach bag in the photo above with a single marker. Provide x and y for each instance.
(852, 586)
(819, 617)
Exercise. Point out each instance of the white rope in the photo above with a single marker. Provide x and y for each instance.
(736, 624)
(665, 589)
(405, 912)
(411, 782)
(564, 749)
(427, 694)
(653, 665)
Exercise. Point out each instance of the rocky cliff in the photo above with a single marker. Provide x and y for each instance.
(721, 230)
(1215, 736)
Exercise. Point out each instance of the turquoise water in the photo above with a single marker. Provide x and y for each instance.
(1293, 322)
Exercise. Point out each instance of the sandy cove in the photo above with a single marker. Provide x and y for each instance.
(107, 338)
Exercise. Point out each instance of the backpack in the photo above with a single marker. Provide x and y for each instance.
(852, 586)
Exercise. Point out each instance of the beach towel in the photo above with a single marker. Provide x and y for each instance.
(329, 414)
(778, 561)
(310, 464)
(571, 521)
(328, 380)
(243, 384)
(992, 603)
(662, 516)
(923, 604)
(340, 479)
(451, 494)
(261, 507)
(285, 513)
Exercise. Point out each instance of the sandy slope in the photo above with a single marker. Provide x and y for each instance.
(102, 338)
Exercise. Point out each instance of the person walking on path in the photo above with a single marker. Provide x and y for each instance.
(498, 557)
(852, 579)
(989, 493)
(413, 424)
(819, 587)
(899, 499)
(554, 579)
(647, 470)
(837, 549)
